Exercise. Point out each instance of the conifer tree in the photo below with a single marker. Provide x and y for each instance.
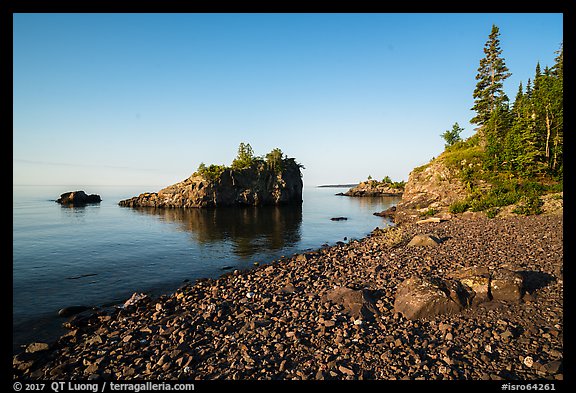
(489, 96)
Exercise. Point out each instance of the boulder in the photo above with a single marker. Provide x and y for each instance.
(424, 240)
(72, 310)
(467, 287)
(387, 213)
(506, 285)
(357, 303)
(418, 297)
(477, 279)
(78, 198)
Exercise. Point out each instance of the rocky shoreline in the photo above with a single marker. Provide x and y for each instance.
(291, 319)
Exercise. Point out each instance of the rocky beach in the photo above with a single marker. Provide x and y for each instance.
(330, 315)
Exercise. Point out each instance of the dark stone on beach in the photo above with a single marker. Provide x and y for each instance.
(78, 198)
(424, 240)
(506, 285)
(477, 279)
(387, 213)
(357, 303)
(339, 218)
(72, 310)
(37, 347)
(422, 297)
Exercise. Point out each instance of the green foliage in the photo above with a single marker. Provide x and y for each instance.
(516, 156)
(529, 204)
(387, 181)
(458, 207)
(275, 160)
(211, 172)
(429, 213)
(492, 71)
(245, 158)
(452, 136)
(491, 213)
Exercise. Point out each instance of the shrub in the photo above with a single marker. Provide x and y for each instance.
(458, 207)
(429, 213)
(529, 205)
(211, 172)
(491, 213)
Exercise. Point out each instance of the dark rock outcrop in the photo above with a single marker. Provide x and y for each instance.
(244, 187)
(418, 297)
(387, 213)
(78, 198)
(423, 297)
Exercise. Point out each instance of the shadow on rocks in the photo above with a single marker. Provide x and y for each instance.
(534, 280)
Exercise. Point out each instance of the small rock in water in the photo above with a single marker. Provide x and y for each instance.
(72, 310)
(339, 218)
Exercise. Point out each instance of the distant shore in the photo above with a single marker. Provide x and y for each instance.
(338, 185)
(277, 321)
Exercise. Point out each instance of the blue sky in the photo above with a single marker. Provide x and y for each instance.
(143, 99)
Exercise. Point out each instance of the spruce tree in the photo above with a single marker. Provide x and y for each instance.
(489, 92)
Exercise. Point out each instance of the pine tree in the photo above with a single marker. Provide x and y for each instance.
(245, 157)
(489, 92)
(452, 136)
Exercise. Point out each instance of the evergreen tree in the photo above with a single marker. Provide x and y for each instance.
(275, 160)
(489, 94)
(245, 157)
(452, 136)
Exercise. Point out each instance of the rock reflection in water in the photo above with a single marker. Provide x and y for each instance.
(249, 229)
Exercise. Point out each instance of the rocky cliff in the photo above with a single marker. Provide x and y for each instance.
(254, 186)
(433, 185)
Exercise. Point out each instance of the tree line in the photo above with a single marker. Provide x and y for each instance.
(526, 137)
(275, 161)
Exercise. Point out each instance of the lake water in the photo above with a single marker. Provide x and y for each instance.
(101, 254)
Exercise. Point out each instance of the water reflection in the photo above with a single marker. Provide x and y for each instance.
(250, 229)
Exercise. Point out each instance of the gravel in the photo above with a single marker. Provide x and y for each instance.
(276, 322)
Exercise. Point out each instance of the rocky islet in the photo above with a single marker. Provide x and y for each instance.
(254, 186)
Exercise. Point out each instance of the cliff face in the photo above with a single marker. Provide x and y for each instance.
(432, 186)
(245, 187)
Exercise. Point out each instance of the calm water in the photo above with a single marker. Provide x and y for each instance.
(101, 254)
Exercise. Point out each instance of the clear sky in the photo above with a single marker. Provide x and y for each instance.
(143, 99)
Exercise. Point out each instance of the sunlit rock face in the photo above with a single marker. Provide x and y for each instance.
(244, 187)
